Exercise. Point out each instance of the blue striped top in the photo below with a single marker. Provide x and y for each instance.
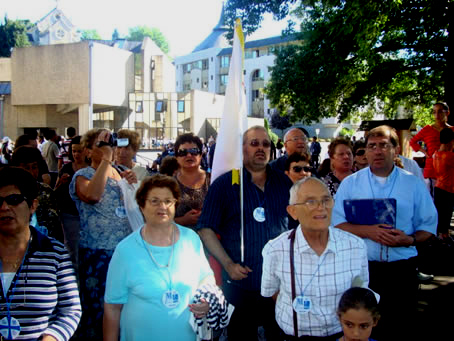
(221, 212)
(45, 299)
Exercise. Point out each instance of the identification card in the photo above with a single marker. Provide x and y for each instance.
(171, 299)
(302, 304)
(10, 330)
(120, 212)
(259, 214)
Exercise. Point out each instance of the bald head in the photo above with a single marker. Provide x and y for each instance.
(295, 141)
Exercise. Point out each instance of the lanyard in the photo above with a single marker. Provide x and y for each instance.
(8, 298)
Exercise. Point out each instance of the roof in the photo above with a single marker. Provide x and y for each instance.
(402, 124)
(132, 46)
(217, 36)
(261, 42)
(5, 88)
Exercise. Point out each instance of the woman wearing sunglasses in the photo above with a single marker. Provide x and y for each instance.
(297, 167)
(193, 180)
(39, 298)
(155, 272)
(360, 159)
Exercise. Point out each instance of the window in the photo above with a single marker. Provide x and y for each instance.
(139, 106)
(225, 61)
(256, 95)
(198, 80)
(180, 106)
(211, 77)
(186, 68)
(205, 64)
(224, 79)
(257, 75)
(160, 106)
(138, 72)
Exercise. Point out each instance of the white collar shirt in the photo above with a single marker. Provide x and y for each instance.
(323, 279)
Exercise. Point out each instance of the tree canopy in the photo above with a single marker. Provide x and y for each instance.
(357, 55)
(139, 32)
(90, 35)
(13, 33)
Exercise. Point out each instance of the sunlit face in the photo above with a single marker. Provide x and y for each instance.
(32, 168)
(298, 170)
(312, 219)
(124, 155)
(295, 142)
(14, 219)
(187, 156)
(380, 154)
(342, 160)
(78, 152)
(161, 213)
(440, 114)
(357, 324)
(256, 149)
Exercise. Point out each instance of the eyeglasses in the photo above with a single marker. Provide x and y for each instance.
(256, 143)
(192, 151)
(157, 202)
(12, 199)
(298, 169)
(313, 204)
(381, 145)
(360, 152)
(296, 139)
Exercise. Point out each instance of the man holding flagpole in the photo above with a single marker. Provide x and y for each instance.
(246, 212)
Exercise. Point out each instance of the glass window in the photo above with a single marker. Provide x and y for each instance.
(224, 79)
(225, 61)
(180, 106)
(139, 106)
(159, 106)
(257, 75)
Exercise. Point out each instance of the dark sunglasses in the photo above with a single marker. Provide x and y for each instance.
(256, 143)
(12, 199)
(360, 152)
(298, 169)
(192, 151)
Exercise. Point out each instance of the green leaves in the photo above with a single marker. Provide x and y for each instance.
(139, 32)
(13, 33)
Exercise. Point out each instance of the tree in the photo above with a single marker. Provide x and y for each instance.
(115, 35)
(90, 35)
(280, 122)
(358, 54)
(139, 32)
(13, 33)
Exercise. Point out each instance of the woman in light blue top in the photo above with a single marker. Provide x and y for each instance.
(155, 271)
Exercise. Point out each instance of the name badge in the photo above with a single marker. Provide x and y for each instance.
(171, 299)
(259, 214)
(9, 329)
(302, 304)
(120, 212)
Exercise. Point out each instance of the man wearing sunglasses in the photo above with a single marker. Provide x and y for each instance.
(391, 249)
(266, 194)
(295, 141)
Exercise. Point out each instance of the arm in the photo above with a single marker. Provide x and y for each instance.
(91, 191)
(414, 142)
(111, 321)
(211, 242)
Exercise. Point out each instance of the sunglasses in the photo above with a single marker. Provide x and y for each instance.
(360, 152)
(298, 169)
(256, 143)
(12, 199)
(192, 151)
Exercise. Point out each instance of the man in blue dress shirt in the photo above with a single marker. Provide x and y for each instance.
(391, 249)
(266, 195)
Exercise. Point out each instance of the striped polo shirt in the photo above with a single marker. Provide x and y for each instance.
(45, 299)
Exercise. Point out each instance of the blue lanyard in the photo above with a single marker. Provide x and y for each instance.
(8, 299)
(392, 185)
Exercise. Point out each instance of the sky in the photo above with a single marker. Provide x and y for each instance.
(185, 23)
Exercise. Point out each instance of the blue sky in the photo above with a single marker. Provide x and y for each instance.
(185, 23)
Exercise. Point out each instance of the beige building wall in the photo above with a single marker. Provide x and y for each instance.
(5, 69)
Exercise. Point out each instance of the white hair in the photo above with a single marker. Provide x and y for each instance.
(296, 187)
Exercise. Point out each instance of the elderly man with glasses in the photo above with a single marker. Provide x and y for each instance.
(265, 194)
(309, 268)
(295, 141)
(399, 214)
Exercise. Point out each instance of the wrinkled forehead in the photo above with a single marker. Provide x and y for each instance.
(295, 133)
(257, 134)
(312, 188)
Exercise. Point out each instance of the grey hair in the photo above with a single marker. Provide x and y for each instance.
(292, 129)
(296, 187)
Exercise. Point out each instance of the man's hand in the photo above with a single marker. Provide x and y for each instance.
(398, 238)
(380, 233)
(236, 271)
(189, 218)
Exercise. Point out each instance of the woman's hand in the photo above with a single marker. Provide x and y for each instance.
(130, 176)
(199, 309)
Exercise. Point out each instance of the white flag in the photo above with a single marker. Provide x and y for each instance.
(228, 154)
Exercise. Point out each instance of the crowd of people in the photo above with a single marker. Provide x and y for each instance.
(95, 246)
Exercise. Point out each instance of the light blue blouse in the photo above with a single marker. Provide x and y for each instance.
(135, 281)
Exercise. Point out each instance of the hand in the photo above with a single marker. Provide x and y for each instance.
(191, 217)
(399, 238)
(102, 153)
(379, 233)
(65, 178)
(130, 176)
(237, 272)
(199, 309)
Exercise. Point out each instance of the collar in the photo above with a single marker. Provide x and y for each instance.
(40, 242)
(248, 176)
(301, 244)
(389, 178)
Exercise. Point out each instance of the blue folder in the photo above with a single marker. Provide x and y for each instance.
(371, 211)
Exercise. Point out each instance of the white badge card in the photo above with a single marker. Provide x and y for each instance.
(171, 299)
(302, 304)
(10, 330)
(259, 214)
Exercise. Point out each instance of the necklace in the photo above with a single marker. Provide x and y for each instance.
(151, 254)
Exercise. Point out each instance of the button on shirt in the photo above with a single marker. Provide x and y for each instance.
(415, 208)
(328, 276)
(221, 212)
